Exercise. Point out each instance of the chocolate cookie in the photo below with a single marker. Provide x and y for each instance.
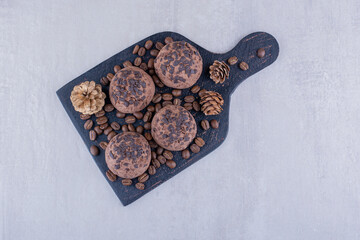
(173, 128)
(131, 90)
(128, 155)
(178, 65)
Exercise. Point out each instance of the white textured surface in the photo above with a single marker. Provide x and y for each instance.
(289, 168)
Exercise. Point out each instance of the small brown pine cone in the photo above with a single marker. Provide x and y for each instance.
(211, 103)
(87, 97)
(219, 71)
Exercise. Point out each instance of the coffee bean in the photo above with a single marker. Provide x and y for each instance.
(100, 113)
(233, 60)
(94, 150)
(137, 61)
(185, 154)
(126, 182)
(117, 68)
(150, 63)
(147, 126)
(143, 66)
(147, 116)
(151, 108)
(140, 186)
(194, 148)
(151, 170)
(120, 114)
(111, 135)
(202, 92)
(161, 159)
(103, 145)
(104, 126)
(148, 136)
(156, 163)
(165, 103)
(124, 128)
(148, 44)
(108, 107)
(261, 52)
(189, 99)
(108, 130)
(195, 89)
(159, 150)
(143, 177)
(136, 49)
(141, 51)
(153, 144)
(159, 45)
(214, 124)
(153, 155)
(177, 101)
(205, 124)
(154, 52)
(157, 81)
(88, 124)
(176, 92)
(196, 106)
(244, 66)
(130, 119)
(92, 135)
(101, 120)
(85, 116)
(131, 128)
(151, 71)
(140, 129)
(98, 130)
(116, 126)
(168, 155)
(111, 176)
(157, 107)
(138, 115)
(104, 81)
(171, 164)
(127, 64)
(168, 40)
(199, 141)
(167, 96)
(110, 76)
(188, 106)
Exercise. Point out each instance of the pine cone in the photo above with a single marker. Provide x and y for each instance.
(219, 71)
(88, 97)
(211, 103)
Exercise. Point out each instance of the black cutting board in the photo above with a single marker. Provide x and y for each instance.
(245, 50)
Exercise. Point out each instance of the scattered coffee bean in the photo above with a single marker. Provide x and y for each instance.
(214, 124)
(127, 64)
(124, 128)
(157, 107)
(92, 135)
(176, 92)
(109, 107)
(148, 136)
(88, 124)
(151, 72)
(131, 128)
(98, 130)
(168, 155)
(147, 126)
(156, 163)
(147, 116)
(137, 61)
(104, 81)
(100, 113)
(143, 177)
(117, 68)
(103, 145)
(177, 101)
(205, 124)
(140, 186)
(188, 106)
(202, 92)
(261, 52)
(101, 120)
(148, 44)
(171, 164)
(151, 170)
(111, 176)
(196, 106)
(153, 144)
(130, 119)
(136, 49)
(108, 130)
(85, 116)
(104, 126)
(159, 45)
(159, 150)
(116, 126)
(168, 40)
(167, 96)
(161, 159)
(109, 76)
(195, 89)
(138, 115)
(143, 66)
(120, 114)
(233, 60)
(185, 154)
(151, 108)
(94, 150)
(199, 141)
(141, 51)
(194, 148)
(157, 81)
(126, 182)
(150, 63)
(244, 66)
(153, 155)
(189, 99)
(111, 135)
(165, 103)
(140, 129)
(154, 52)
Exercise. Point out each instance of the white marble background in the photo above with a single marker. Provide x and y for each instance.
(289, 169)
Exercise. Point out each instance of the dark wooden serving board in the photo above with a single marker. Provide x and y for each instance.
(245, 50)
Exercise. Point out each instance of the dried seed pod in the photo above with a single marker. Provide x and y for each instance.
(219, 71)
(211, 103)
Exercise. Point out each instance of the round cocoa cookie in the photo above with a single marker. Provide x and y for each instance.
(128, 155)
(173, 128)
(178, 65)
(131, 90)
